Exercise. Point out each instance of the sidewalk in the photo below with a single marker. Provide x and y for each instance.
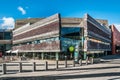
(103, 71)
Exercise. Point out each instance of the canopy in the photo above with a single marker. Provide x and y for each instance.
(9, 51)
(15, 51)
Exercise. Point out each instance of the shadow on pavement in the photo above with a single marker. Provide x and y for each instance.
(65, 76)
(115, 78)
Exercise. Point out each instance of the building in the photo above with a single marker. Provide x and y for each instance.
(52, 37)
(115, 40)
(5, 40)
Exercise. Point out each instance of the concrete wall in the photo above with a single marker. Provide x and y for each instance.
(66, 22)
(45, 28)
(98, 37)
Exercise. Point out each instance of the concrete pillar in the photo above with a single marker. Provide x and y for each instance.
(87, 60)
(42, 56)
(46, 65)
(20, 67)
(57, 56)
(34, 66)
(80, 62)
(56, 64)
(73, 63)
(4, 68)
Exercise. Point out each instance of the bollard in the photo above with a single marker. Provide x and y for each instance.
(87, 60)
(56, 64)
(34, 66)
(46, 65)
(65, 63)
(4, 68)
(80, 62)
(20, 67)
(73, 63)
(92, 60)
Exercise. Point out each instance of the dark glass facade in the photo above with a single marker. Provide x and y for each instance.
(5, 40)
(71, 36)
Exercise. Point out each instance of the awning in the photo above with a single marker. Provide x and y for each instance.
(15, 51)
(9, 51)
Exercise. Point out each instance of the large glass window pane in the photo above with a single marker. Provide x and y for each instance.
(71, 36)
(7, 35)
(1, 35)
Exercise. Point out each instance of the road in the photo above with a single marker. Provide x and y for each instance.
(108, 69)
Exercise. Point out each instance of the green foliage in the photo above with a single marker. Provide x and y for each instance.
(71, 48)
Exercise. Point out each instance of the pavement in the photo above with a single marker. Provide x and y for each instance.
(108, 69)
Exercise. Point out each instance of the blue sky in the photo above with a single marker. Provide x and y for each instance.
(11, 10)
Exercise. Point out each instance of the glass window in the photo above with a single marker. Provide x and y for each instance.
(69, 30)
(1, 35)
(67, 42)
(41, 41)
(57, 38)
(35, 42)
(7, 35)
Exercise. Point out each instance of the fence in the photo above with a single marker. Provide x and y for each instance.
(20, 67)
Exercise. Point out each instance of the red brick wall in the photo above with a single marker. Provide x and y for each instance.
(115, 39)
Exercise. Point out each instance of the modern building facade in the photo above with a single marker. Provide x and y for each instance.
(115, 40)
(52, 37)
(5, 40)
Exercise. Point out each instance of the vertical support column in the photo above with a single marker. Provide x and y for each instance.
(20, 67)
(42, 56)
(4, 68)
(56, 64)
(80, 62)
(57, 56)
(34, 66)
(87, 60)
(46, 65)
(73, 63)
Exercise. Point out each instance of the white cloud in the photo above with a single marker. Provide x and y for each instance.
(8, 23)
(117, 26)
(22, 10)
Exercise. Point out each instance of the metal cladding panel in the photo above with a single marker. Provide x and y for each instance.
(49, 24)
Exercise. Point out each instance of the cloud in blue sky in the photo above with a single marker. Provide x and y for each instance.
(22, 10)
(8, 22)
